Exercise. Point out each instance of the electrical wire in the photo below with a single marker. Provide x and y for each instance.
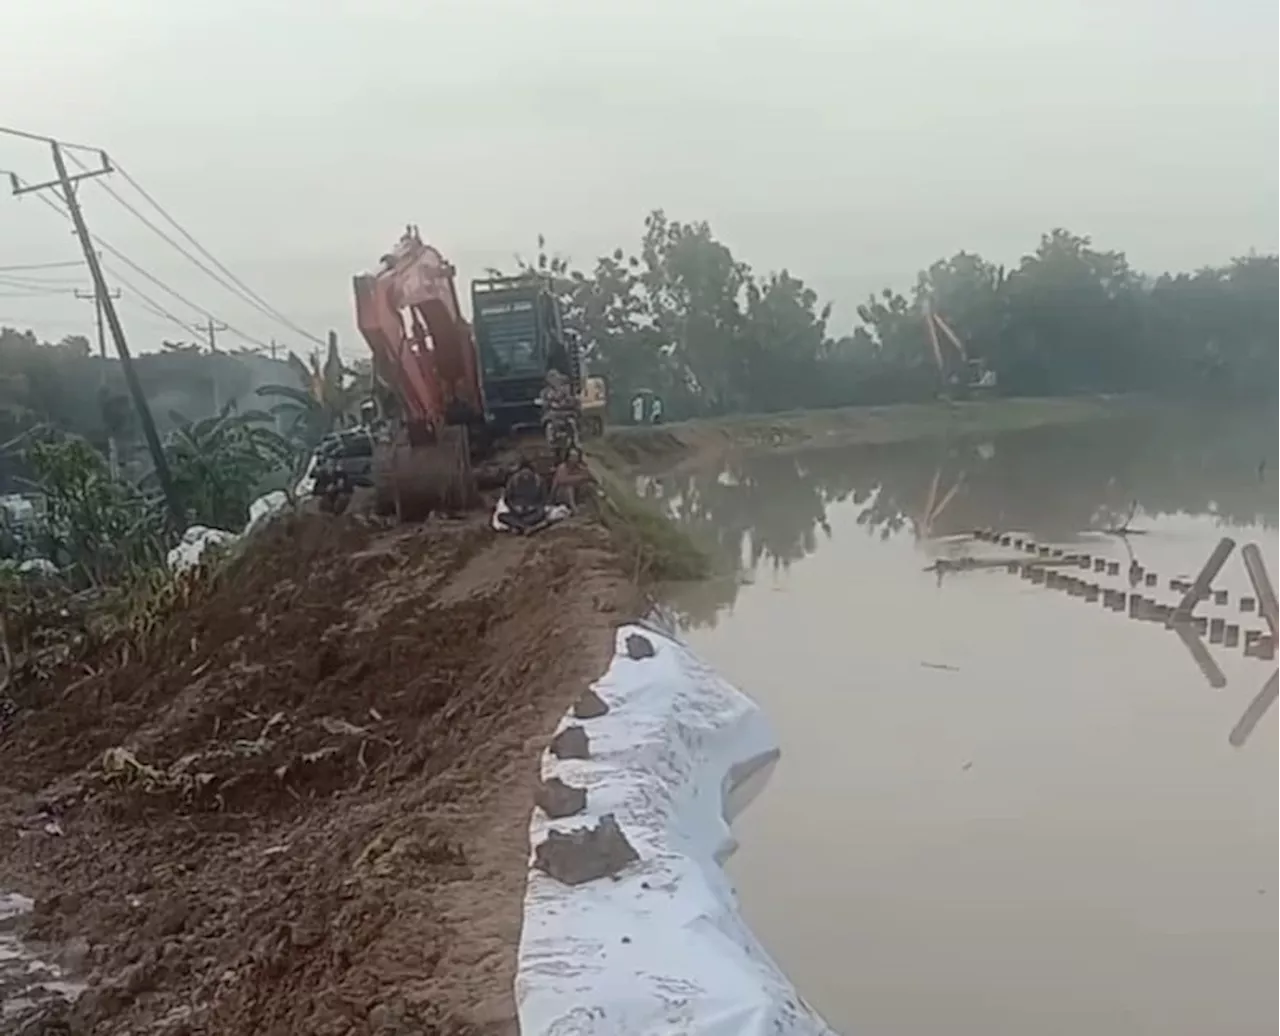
(224, 277)
(120, 256)
(152, 306)
(38, 287)
(19, 292)
(41, 266)
(11, 132)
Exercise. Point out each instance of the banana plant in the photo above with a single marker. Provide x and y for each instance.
(218, 462)
(326, 398)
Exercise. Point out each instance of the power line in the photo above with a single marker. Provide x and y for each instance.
(40, 287)
(236, 285)
(19, 291)
(228, 282)
(14, 323)
(11, 132)
(112, 250)
(38, 282)
(42, 266)
(152, 306)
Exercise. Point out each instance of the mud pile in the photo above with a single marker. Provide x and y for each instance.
(300, 803)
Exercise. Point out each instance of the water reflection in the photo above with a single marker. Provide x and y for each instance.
(770, 511)
(1013, 810)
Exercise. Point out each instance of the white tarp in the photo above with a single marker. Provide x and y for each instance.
(199, 538)
(195, 541)
(555, 513)
(658, 949)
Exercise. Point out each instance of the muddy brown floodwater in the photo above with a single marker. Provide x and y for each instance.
(1000, 808)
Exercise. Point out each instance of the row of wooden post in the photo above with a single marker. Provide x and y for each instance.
(1049, 572)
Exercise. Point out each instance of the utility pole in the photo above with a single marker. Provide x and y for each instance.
(211, 329)
(97, 305)
(66, 184)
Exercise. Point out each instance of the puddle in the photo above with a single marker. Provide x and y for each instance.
(27, 982)
(1021, 810)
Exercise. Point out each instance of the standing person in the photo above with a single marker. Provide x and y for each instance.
(559, 413)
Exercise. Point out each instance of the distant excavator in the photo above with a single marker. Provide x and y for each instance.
(457, 392)
(962, 376)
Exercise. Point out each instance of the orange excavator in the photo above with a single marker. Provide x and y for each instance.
(456, 392)
(961, 375)
(423, 350)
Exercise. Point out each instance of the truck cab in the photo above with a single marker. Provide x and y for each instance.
(519, 337)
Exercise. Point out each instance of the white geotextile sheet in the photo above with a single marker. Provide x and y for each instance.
(555, 513)
(199, 538)
(660, 948)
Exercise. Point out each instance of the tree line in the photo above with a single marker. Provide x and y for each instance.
(770, 510)
(682, 316)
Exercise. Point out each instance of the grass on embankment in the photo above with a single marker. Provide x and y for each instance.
(658, 549)
(663, 551)
(651, 446)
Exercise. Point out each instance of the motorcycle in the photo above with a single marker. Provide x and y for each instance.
(561, 431)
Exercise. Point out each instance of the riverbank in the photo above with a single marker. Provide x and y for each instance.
(696, 442)
(300, 802)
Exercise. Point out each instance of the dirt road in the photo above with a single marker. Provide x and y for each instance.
(300, 804)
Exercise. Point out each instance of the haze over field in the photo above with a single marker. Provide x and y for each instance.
(853, 142)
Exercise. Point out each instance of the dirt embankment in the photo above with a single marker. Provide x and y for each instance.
(301, 804)
(697, 442)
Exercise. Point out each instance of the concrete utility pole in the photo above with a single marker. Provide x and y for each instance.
(65, 185)
(97, 305)
(211, 329)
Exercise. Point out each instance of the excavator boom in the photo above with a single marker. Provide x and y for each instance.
(408, 313)
(968, 374)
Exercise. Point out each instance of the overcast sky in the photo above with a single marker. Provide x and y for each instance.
(850, 141)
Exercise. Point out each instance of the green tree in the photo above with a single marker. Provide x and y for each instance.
(218, 464)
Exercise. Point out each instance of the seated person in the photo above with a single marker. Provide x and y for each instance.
(525, 497)
(570, 480)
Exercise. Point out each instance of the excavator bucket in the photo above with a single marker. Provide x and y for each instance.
(412, 481)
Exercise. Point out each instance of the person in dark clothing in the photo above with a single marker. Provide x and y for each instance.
(525, 497)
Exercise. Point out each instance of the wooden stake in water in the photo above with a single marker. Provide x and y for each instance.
(1261, 585)
(1207, 575)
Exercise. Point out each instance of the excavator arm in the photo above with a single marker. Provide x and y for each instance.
(408, 313)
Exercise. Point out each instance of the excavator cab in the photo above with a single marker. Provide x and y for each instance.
(520, 336)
